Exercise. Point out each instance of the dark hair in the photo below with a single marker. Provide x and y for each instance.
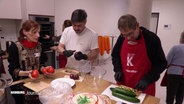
(127, 22)
(67, 23)
(79, 15)
(182, 38)
(27, 26)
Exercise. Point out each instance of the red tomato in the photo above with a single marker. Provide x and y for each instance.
(35, 74)
(44, 70)
(50, 69)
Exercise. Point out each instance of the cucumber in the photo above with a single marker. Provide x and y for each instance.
(125, 97)
(123, 91)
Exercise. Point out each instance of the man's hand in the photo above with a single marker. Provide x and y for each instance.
(141, 85)
(46, 37)
(118, 76)
(68, 53)
(79, 56)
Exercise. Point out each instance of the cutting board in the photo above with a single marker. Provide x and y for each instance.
(36, 86)
(70, 71)
(108, 92)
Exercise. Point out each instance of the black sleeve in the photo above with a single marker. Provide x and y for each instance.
(1, 66)
(157, 58)
(13, 60)
(116, 59)
(43, 58)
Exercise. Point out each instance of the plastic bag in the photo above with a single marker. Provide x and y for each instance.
(63, 95)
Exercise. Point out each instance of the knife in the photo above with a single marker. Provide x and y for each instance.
(118, 102)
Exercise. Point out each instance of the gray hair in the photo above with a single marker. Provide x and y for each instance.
(127, 22)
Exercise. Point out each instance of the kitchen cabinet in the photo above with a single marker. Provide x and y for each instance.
(40, 7)
(10, 9)
(20, 9)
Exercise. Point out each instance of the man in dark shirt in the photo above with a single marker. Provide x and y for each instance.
(137, 56)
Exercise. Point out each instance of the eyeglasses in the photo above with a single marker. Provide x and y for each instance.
(128, 34)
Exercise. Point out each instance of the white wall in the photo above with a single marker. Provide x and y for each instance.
(171, 13)
(9, 31)
(102, 14)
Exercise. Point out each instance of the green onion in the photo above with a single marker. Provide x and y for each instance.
(81, 100)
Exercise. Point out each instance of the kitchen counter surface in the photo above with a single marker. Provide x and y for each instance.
(85, 86)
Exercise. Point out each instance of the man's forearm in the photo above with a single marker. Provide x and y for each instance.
(60, 48)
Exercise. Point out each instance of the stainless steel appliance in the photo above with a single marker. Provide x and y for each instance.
(47, 28)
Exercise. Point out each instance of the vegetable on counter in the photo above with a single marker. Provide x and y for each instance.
(125, 94)
(125, 97)
(48, 70)
(74, 76)
(124, 91)
(82, 100)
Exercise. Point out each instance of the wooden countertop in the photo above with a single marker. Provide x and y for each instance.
(85, 86)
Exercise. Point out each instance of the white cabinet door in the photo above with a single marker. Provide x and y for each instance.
(40, 7)
(10, 9)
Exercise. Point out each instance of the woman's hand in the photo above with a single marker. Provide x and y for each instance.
(48, 70)
(34, 74)
(30, 75)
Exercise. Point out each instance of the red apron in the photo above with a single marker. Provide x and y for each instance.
(62, 61)
(135, 63)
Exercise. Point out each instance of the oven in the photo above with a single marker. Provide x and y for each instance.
(46, 28)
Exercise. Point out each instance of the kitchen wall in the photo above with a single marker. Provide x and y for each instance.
(102, 14)
(171, 14)
(9, 30)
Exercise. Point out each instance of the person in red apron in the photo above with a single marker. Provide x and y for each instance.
(137, 56)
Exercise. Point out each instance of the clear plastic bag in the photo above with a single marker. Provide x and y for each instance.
(62, 95)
